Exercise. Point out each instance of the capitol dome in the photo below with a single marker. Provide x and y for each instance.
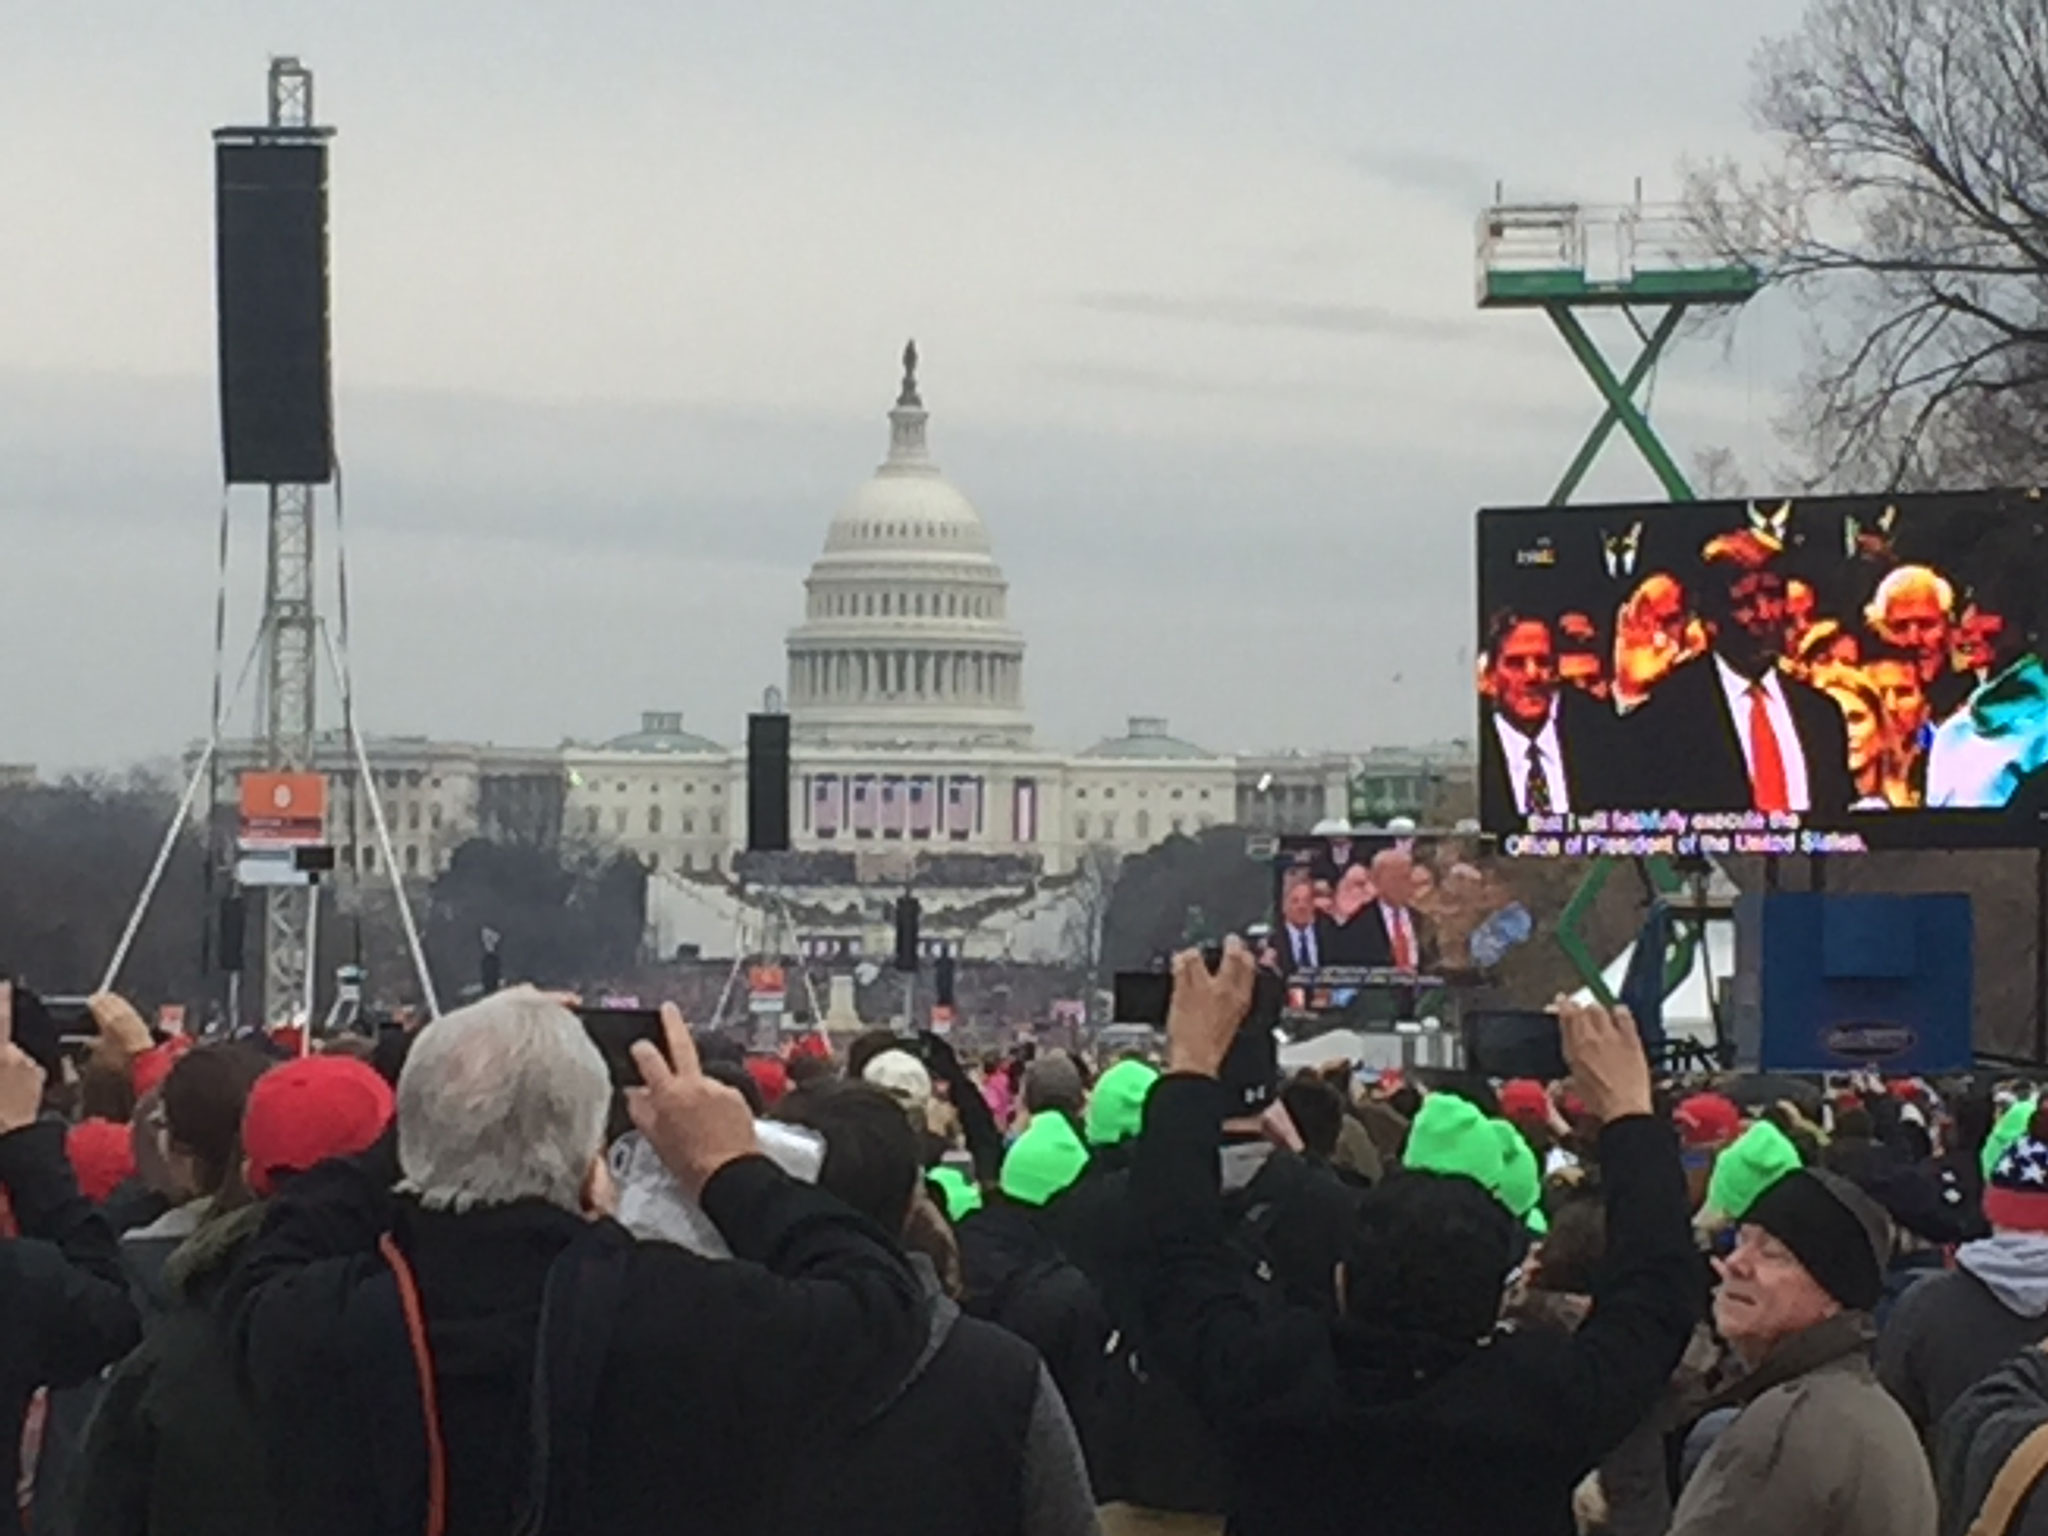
(906, 638)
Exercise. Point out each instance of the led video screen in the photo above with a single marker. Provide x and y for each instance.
(1368, 925)
(1824, 675)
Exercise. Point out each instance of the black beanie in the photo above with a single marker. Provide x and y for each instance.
(1833, 1228)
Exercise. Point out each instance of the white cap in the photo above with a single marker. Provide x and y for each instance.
(901, 1074)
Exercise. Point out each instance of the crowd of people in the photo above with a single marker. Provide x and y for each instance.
(1749, 673)
(459, 1279)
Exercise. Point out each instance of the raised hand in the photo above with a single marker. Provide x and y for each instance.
(695, 1124)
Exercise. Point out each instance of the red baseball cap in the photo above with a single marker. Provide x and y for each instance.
(102, 1156)
(1707, 1120)
(1525, 1101)
(309, 1110)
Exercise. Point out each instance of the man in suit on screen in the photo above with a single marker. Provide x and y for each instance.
(1544, 749)
(1732, 730)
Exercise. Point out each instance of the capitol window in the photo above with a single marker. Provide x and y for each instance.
(1080, 829)
(1144, 825)
(885, 605)
(714, 829)
(1109, 829)
(918, 604)
(619, 821)
(1109, 794)
(689, 826)
(590, 821)
(654, 818)
(1176, 794)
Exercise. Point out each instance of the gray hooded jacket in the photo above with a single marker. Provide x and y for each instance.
(1952, 1329)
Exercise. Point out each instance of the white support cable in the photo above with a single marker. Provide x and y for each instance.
(405, 917)
(200, 775)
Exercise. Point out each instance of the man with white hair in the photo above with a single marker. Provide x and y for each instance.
(1914, 609)
(463, 1340)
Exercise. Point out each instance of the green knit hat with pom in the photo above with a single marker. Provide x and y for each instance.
(1044, 1160)
(1451, 1135)
(1748, 1166)
(1521, 1181)
(962, 1196)
(1116, 1109)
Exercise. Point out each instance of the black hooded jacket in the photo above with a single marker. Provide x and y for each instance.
(1332, 1427)
(64, 1307)
(677, 1384)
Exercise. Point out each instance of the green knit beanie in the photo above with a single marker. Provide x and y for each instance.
(1451, 1135)
(1521, 1182)
(1748, 1166)
(961, 1194)
(1044, 1160)
(2011, 1126)
(1116, 1109)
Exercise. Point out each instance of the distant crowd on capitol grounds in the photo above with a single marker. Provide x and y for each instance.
(484, 1275)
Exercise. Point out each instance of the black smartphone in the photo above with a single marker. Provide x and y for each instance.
(1515, 1042)
(1251, 1070)
(613, 1031)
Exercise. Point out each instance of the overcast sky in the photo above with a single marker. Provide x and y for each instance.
(619, 290)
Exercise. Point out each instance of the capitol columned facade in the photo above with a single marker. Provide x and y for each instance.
(908, 701)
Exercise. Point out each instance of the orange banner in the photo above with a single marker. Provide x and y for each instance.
(284, 808)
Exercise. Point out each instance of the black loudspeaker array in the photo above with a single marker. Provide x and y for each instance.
(907, 912)
(768, 783)
(270, 244)
(943, 981)
(232, 921)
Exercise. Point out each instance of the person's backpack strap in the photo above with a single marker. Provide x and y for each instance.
(423, 1363)
(2015, 1480)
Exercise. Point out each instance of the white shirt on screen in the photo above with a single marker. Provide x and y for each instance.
(1736, 687)
(1301, 943)
(1514, 748)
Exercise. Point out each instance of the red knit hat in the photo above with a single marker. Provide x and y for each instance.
(102, 1155)
(770, 1076)
(1525, 1101)
(1707, 1120)
(309, 1110)
(149, 1070)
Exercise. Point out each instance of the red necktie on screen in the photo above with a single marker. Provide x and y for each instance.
(1767, 757)
(1404, 940)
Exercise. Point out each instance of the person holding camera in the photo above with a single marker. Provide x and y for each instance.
(64, 1306)
(1410, 1410)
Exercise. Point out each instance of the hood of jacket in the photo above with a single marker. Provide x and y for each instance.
(202, 1260)
(652, 1205)
(2013, 1267)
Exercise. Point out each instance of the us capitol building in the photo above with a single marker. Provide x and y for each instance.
(912, 762)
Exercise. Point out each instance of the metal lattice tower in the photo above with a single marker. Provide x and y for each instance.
(1649, 264)
(290, 640)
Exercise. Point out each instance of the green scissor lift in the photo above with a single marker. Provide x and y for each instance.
(1647, 263)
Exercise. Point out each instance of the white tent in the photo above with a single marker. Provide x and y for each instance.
(1688, 1014)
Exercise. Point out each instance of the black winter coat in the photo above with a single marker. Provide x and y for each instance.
(64, 1307)
(1148, 1446)
(174, 1449)
(1015, 1275)
(1334, 1428)
(701, 1374)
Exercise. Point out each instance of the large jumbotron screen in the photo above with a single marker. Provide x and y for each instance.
(1824, 675)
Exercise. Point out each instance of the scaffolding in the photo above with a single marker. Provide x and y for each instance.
(1649, 263)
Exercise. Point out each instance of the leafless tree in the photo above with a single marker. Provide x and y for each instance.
(1094, 886)
(1909, 202)
(1717, 474)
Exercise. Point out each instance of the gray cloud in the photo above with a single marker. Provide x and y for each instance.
(1278, 314)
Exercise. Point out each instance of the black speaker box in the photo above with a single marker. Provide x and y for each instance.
(270, 228)
(907, 914)
(233, 915)
(767, 783)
